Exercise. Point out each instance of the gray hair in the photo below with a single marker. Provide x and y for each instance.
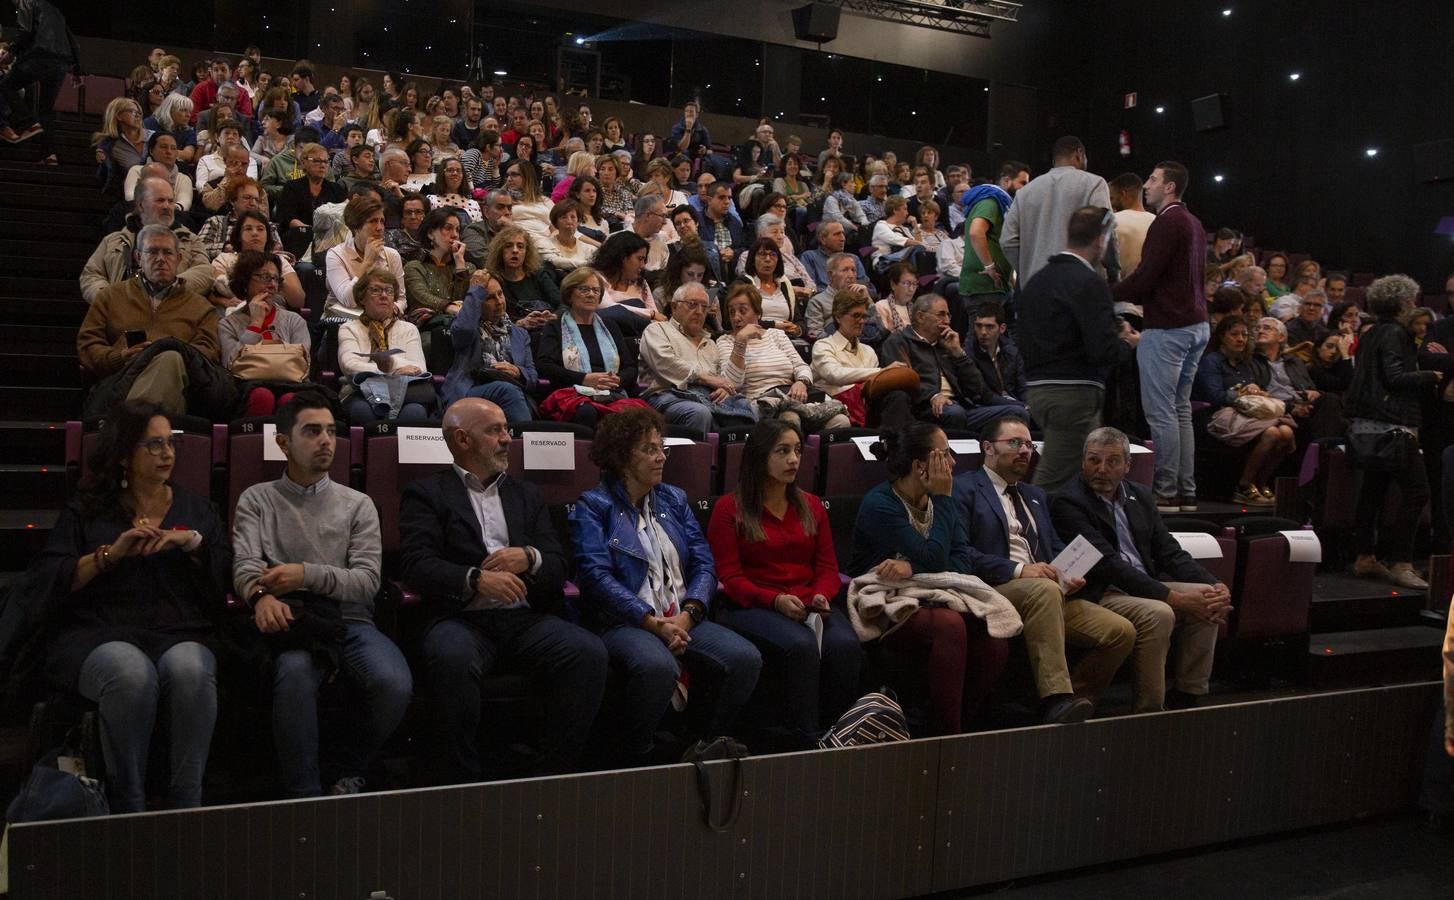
(1276, 324)
(681, 292)
(1388, 295)
(837, 258)
(647, 203)
(1315, 292)
(392, 154)
(767, 220)
(924, 302)
(163, 115)
(142, 191)
(156, 231)
(1252, 272)
(880, 178)
(494, 195)
(1106, 436)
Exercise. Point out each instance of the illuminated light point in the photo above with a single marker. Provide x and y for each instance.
(580, 40)
(1226, 12)
(1328, 650)
(1218, 178)
(499, 71)
(1371, 152)
(1160, 110)
(1294, 76)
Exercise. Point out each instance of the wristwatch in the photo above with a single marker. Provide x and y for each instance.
(696, 610)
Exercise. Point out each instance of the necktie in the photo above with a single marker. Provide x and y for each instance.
(1027, 522)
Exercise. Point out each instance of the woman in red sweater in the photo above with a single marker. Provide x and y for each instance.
(774, 553)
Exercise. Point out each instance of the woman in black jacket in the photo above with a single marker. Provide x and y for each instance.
(1383, 404)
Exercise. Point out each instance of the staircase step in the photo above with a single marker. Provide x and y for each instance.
(38, 196)
(23, 534)
(65, 249)
(22, 223)
(1375, 655)
(45, 339)
(46, 311)
(40, 369)
(34, 486)
(32, 443)
(1343, 603)
(65, 175)
(60, 286)
(41, 404)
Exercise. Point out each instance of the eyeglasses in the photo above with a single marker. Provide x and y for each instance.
(154, 445)
(317, 159)
(691, 304)
(380, 290)
(156, 252)
(654, 450)
(1016, 444)
(265, 279)
(588, 291)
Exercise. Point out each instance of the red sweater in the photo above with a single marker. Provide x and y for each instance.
(786, 561)
(1168, 282)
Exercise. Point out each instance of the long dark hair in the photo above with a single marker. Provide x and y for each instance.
(574, 192)
(248, 262)
(611, 256)
(901, 449)
(234, 237)
(752, 479)
(100, 491)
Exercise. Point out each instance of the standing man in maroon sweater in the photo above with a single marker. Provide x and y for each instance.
(1168, 284)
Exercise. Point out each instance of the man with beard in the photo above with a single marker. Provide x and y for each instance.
(1012, 541)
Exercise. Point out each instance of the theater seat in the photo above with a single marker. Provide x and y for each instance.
(731, 444)
(247, 465)
(1272, 596)
(385, 478)
(1224, 569)
(556, 486)
(845, 471)
(692, 466)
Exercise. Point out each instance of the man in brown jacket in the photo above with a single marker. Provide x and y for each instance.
(116, 341)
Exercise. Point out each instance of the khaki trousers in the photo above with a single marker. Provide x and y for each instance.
(1155, 622)
(1052, 622)
(163, 381)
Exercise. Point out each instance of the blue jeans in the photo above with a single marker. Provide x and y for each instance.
(715, 653)
(567, 661)
(375, 667)
(507, 396)
(128, 688)
(1168, 358)
(815, 690)
(678, 410)
(957, 418)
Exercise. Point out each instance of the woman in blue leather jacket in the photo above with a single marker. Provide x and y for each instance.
(646, 578)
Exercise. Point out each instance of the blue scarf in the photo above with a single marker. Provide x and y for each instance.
(984, 191)
(573, 350)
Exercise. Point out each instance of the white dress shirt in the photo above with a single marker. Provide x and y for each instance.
(1019, 544)
(494, 530)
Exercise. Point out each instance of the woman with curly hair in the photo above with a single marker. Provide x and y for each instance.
(531, 294)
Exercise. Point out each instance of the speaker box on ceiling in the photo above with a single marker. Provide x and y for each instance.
(1206, 112)
(816, 22)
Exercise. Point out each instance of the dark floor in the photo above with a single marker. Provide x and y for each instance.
(1387, 859)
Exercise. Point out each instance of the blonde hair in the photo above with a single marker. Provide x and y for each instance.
(108, 120)
(580, 163)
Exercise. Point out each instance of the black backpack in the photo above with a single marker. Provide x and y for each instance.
(876, 718)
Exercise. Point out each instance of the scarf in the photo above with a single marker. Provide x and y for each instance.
(379, 333)
(265, 331)
(573, 350)
(975, 194)
(494, 342)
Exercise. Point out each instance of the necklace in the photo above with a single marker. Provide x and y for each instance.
(922, 520)
(144, 517)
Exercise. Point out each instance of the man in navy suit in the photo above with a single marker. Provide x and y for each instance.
(1143, 573)
(479, 546)
(1012, 543)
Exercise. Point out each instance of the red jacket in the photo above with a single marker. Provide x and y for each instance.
(205, 94)
(1168, 282)
(786, 561)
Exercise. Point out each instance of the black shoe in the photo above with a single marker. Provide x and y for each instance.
(1168, 504)
(1180, 700)
(1065, 709)
(1187, 503)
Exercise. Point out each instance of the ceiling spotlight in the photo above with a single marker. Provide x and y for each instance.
(500, 72)
(1226, 12)
(1294, 76)
(1160, 110)
(1371, 152)
(579, 41)
(1218, 178)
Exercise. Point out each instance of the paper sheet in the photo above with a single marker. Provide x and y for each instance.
(1137, 448)
(1198, 544)
(863, 442)
(677, 442)
(1303, 546)
(549, 450)
(271, 451)
(1078, 557)
(423, 446)
(964, 446)
(815, 623)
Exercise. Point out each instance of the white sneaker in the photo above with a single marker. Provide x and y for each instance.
(353, 784)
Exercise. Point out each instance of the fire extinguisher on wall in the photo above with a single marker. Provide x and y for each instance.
(1125, 143)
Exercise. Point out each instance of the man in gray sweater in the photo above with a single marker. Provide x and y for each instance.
(1035, 223)
(308, 556)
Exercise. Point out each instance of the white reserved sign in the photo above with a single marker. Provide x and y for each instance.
(677, 442)
(423, 446)
(1198, 544)
(553, 451)
(1303, 546)
(1137, 448)
(271, 451)
(863, 442)
(964, 446)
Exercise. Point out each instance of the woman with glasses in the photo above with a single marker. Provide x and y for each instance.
(566, 248)
(174, 116)
(381, 358)
(775, 559)
(362, 253)
(301, 196)
(765, 367)
(773, 226)
(492, 356)
(617, 199)
(452, 190)
(421, 164)
(765, 271)
(252, 232)
(264, 319)
(909, 525)
(119, 145)
(894, 310)
(843, 365)
(135, 575)
(647, 578)
(590, 365)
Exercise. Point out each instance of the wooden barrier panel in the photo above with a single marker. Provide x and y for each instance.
(890, 821)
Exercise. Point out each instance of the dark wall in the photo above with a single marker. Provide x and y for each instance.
(1292, 152)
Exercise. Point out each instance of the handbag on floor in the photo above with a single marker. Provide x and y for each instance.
(876, 718)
